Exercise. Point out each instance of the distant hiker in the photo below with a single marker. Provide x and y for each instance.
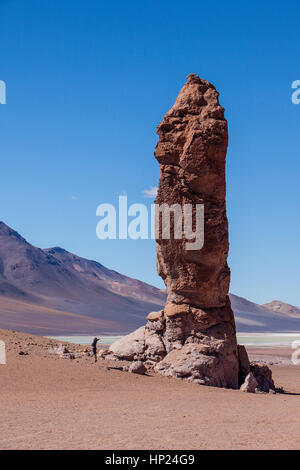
(94, 346)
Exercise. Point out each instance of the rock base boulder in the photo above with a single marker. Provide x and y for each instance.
(130, 347)
(172, 344)
(184, 342)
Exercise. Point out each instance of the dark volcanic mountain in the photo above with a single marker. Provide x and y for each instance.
(54, 292)
(78, 292)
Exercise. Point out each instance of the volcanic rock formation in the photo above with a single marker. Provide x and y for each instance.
(194, 336)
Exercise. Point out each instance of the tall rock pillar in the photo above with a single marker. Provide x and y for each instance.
(199, 334)
(194, 336)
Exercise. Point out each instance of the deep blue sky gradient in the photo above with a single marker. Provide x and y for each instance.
(88, 82)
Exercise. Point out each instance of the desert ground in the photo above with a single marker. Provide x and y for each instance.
(52, 403)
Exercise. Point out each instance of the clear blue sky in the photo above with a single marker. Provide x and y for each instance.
(87, 83)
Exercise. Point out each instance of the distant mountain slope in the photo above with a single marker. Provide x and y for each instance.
(55, 292)
(94, 273)
(251, 317)
(283, 308)
(39, 319)
(66, 283)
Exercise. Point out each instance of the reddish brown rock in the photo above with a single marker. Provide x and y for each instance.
(199, 334)
(191, 152)
(244, 364)
(194, 337)
(263, 376)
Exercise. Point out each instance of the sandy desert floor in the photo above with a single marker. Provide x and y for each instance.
(53, 403)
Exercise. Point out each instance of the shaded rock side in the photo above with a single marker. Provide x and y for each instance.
(259, 379)
(263, 376)
(244, 364)
(250, 384)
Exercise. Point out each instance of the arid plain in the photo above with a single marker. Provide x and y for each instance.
(53, 403)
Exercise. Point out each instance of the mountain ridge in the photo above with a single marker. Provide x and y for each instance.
(284, 308)
(53, 291)
(59, 280)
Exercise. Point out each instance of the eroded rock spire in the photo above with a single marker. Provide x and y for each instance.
(194, 336)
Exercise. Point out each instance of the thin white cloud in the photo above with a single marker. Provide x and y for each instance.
(152, 192)
(73, 198)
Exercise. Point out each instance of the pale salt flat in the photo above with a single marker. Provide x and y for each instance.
(86, 340)
(247, 339)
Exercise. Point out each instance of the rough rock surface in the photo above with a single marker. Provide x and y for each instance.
(130, 347)
(263, 376)
(250, 384)
(194, 336)
(259, 379)
(244, 364)
(191, 151)
(137, 367)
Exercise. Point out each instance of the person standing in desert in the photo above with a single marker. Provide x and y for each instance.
(94, 347)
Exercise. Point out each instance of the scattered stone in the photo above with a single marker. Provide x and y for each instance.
(67, 356)
(62, 351)
(250, 384)
(263, 376)
(137, 367)
(102, 354)
(116, 368)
